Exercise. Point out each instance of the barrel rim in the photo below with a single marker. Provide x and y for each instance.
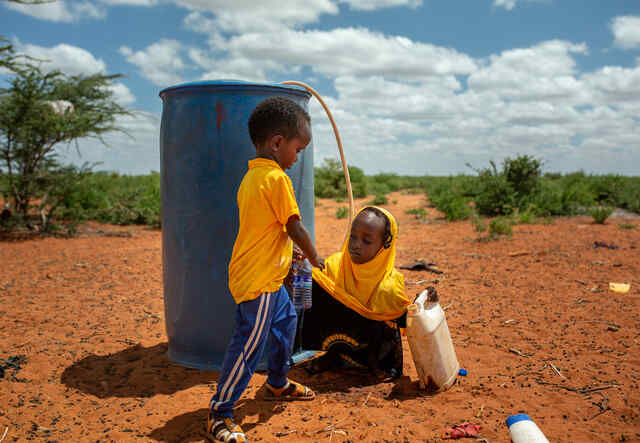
(222, 84)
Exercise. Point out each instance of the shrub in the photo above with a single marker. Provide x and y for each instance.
(329, 181)
(600, 213)
(478, 223)
(523, 174)
(456, 208)
(420, 213)
(379, 200)
(495, 195)
(500, 226)
(626, 226)
(528, 215)
(342, 212)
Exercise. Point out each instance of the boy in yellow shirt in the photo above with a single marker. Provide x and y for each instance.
(261, 258)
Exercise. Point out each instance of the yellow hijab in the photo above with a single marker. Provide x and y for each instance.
(373, 289)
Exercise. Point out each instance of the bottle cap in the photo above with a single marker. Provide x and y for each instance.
(516, 418)
(462, 372)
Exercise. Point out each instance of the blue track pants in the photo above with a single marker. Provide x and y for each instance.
(270, 317)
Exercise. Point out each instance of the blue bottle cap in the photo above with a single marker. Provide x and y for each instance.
(516, 418)
(462, 372)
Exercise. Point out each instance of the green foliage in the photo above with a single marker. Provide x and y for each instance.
(528, 215)
(523, 174)
(478, 223)
(501, 192)
(500, 226)
(118, 199)
(32, 125)
(329, 181)
(626, 226)
(600, 213)
(495, 195)
(379, 199)
(342, 212)
(420, 213)
(456, 209)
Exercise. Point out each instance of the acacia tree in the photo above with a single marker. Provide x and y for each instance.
(33, 126)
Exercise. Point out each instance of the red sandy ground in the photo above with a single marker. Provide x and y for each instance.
(87, 313)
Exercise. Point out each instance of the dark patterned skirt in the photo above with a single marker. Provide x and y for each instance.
(349, 339)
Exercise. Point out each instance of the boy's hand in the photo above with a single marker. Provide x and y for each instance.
(317, 261)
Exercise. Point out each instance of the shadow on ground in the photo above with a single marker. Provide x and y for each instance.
(190, 427)
(133, 372)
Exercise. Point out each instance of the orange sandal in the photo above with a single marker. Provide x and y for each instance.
(289, 392)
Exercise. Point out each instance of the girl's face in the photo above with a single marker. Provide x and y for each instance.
(366, 237)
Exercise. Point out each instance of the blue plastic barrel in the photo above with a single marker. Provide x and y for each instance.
(204, 150)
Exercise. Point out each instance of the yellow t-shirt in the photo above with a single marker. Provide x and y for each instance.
(262, 252)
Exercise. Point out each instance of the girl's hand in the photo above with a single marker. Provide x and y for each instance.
(298, 256)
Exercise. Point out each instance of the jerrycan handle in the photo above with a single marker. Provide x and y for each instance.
(432, 295)
(414, 309)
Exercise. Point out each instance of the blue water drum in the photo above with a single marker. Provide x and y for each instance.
(204, 151)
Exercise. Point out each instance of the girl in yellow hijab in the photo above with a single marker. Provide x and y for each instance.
(359, 299)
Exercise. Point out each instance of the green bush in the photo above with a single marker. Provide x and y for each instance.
(379, 199)
(342, 212)
(600, 213)
(626, 226)
(329, 181)
(528, 215)
(495, 195)
(478, 223)
(420, 213)
(500, 226)
(456, 209)
(118, 199)
(523, 174)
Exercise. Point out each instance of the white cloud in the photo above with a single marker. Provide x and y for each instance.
(121, 94)
(546, 70)
(614, 84)
(370, 5)
(626, 30)
(132, 2)
(66, 58)
(525, 101)
(506, 4)
(351, 51)
(227, 68)
(133, 152)
(266, 15)
(160, 62)
(60, 11)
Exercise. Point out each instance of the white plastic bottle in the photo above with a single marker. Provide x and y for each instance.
(430, 342)
(524, 430)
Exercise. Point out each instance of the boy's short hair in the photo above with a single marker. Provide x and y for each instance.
(276, 115)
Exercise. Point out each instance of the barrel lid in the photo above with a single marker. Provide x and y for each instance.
(516, 418)
(230, 83)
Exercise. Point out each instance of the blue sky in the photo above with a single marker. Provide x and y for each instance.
(416, 86)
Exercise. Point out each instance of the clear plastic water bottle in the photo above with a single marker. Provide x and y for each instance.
(305, 274)
(297, 286)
